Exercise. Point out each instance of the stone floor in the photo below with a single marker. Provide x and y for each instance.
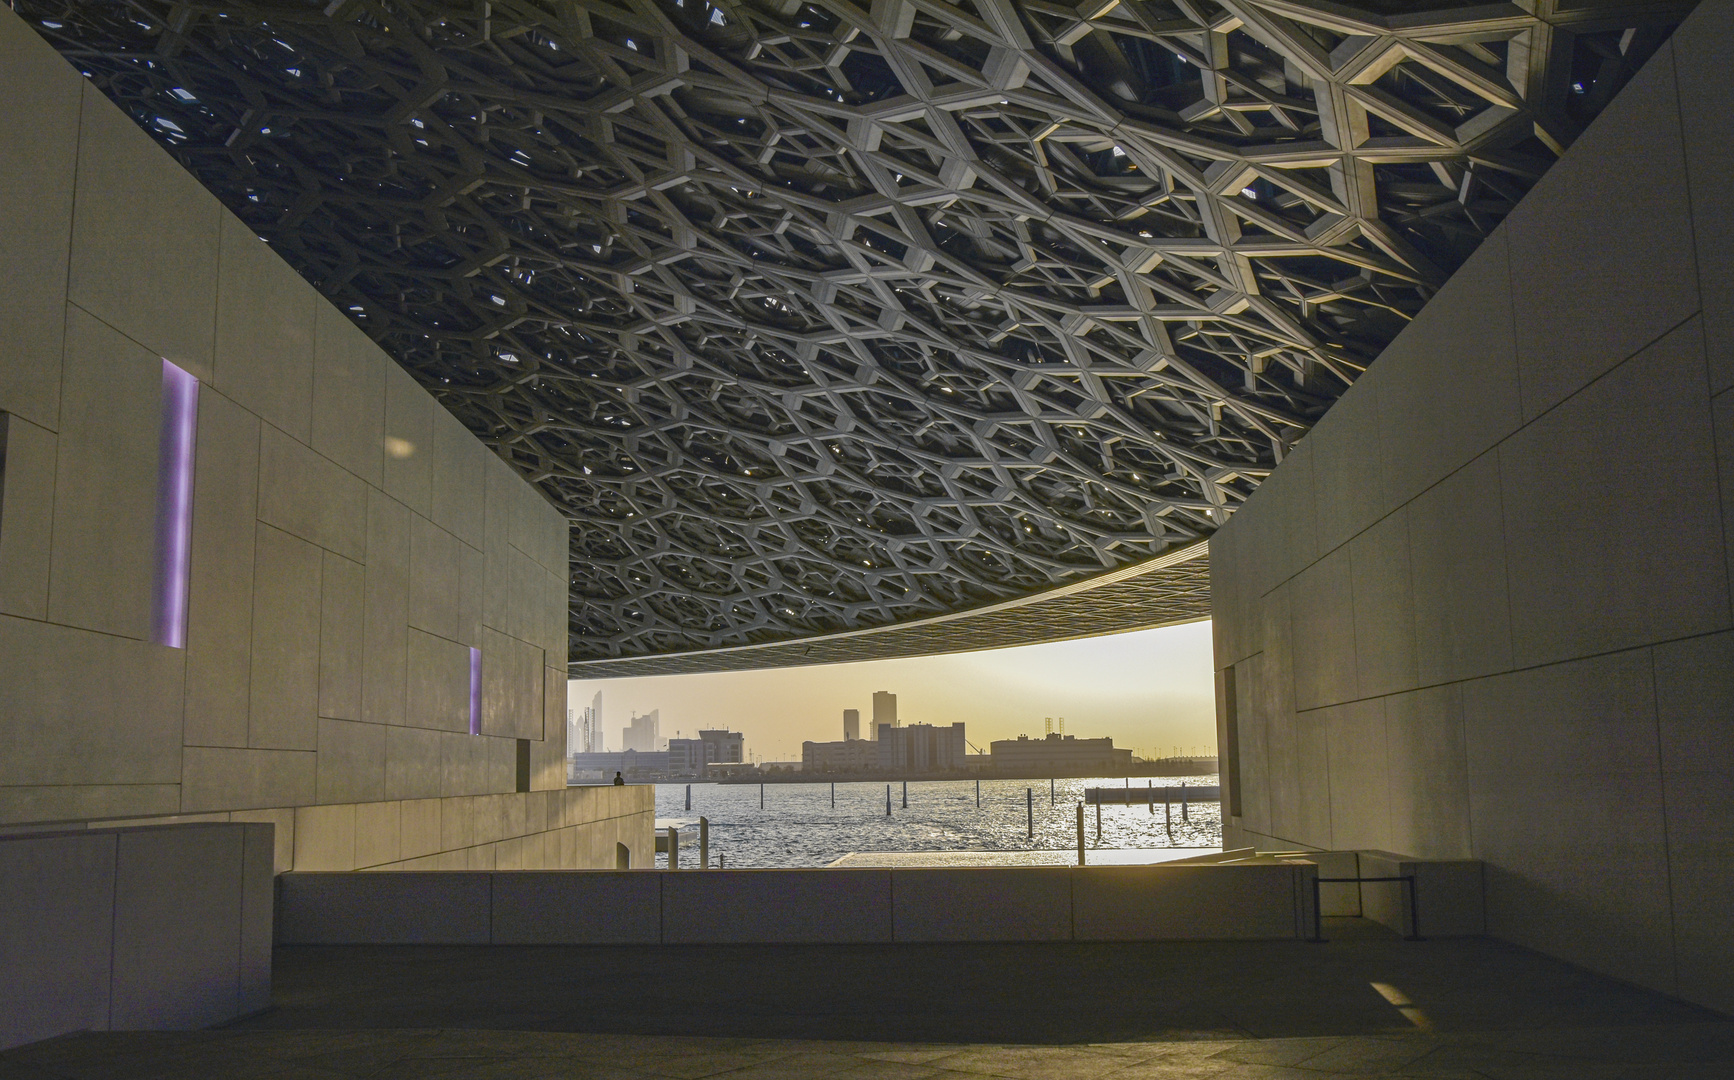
(1365, 1004)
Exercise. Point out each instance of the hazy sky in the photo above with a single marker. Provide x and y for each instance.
(1151, 690)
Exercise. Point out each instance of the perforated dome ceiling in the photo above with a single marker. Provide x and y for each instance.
(816, 317)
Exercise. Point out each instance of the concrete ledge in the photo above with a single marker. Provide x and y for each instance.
(776, 906)
(1449, 901)
(1164, 903)
(982, 904)
(808, 906)
(405, 908)
(595, 907)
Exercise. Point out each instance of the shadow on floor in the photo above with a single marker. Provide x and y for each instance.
(1044, 994)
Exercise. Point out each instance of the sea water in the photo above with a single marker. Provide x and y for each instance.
(799, 827)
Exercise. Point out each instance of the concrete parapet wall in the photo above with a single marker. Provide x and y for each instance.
(161, 928)
(568, 829)
(817, 906)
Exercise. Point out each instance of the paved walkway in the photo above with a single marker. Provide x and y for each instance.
(1363, 1005)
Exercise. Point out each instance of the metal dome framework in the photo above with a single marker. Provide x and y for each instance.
(817, 317)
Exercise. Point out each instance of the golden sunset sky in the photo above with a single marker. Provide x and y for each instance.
(1150, 689)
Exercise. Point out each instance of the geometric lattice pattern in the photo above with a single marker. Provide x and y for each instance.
(1173, 588)
(817, 316)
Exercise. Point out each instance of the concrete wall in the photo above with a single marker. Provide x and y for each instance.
(828, 906)
(351, 543)
(1483, 609)
(133, 929)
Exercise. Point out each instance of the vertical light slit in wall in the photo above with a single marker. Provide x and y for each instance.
(1230, 777)
(523, 764)
(174, 506)
(475, 691)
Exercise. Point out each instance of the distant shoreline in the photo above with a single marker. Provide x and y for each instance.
(1138, 771)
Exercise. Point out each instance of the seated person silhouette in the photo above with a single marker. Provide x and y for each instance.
(619, 781)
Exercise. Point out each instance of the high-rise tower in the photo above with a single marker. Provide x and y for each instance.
(851, 724)
(884, 710)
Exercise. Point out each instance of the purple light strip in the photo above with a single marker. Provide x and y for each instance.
(174, 506)
(475, 691)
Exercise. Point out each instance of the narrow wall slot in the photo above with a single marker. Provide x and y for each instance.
(174, 507)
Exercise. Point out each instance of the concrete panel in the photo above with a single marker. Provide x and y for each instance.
(1722, 416)
(35, 218)
(105, 482)
(220, 593)
(144, 240)
(378, 832)
(351, 761)
(56, 923)
(582, 908)
(1428, 791)
(342, 613)
(1457, 565)
(1565, 787)
(385, 644)
(472, 581)
(1694, 700)
(512, 687)
(982, 904)
(1276, 713)
(265, 315)
(1448, 383)
(435, 578)
(1288, 501)
(83, 802)
(177, 927)
(1176, 903)
(1611, 221)
(1384, 606)
(325, 837)
(348, 395)
(412, 763)
(439, 683)
(1359, 770)
(418, 826)
(776, 906)
(388, 909)
(1324, 633)
(1702, 56)
(26, 515)
(84, 708)
(498, 480)
(1251, 709)
(1227, 609)
(258, 914)
(463, 772)
(1313, 766)
(224, 778)
(1348, 489)
(1602, 554)
(282, 822)
(457, 479)
(284, 697)
(308, 496)
(408, 440)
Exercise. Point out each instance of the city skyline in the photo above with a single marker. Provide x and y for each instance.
(1150, 690)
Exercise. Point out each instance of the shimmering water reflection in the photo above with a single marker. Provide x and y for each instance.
(799, 827)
